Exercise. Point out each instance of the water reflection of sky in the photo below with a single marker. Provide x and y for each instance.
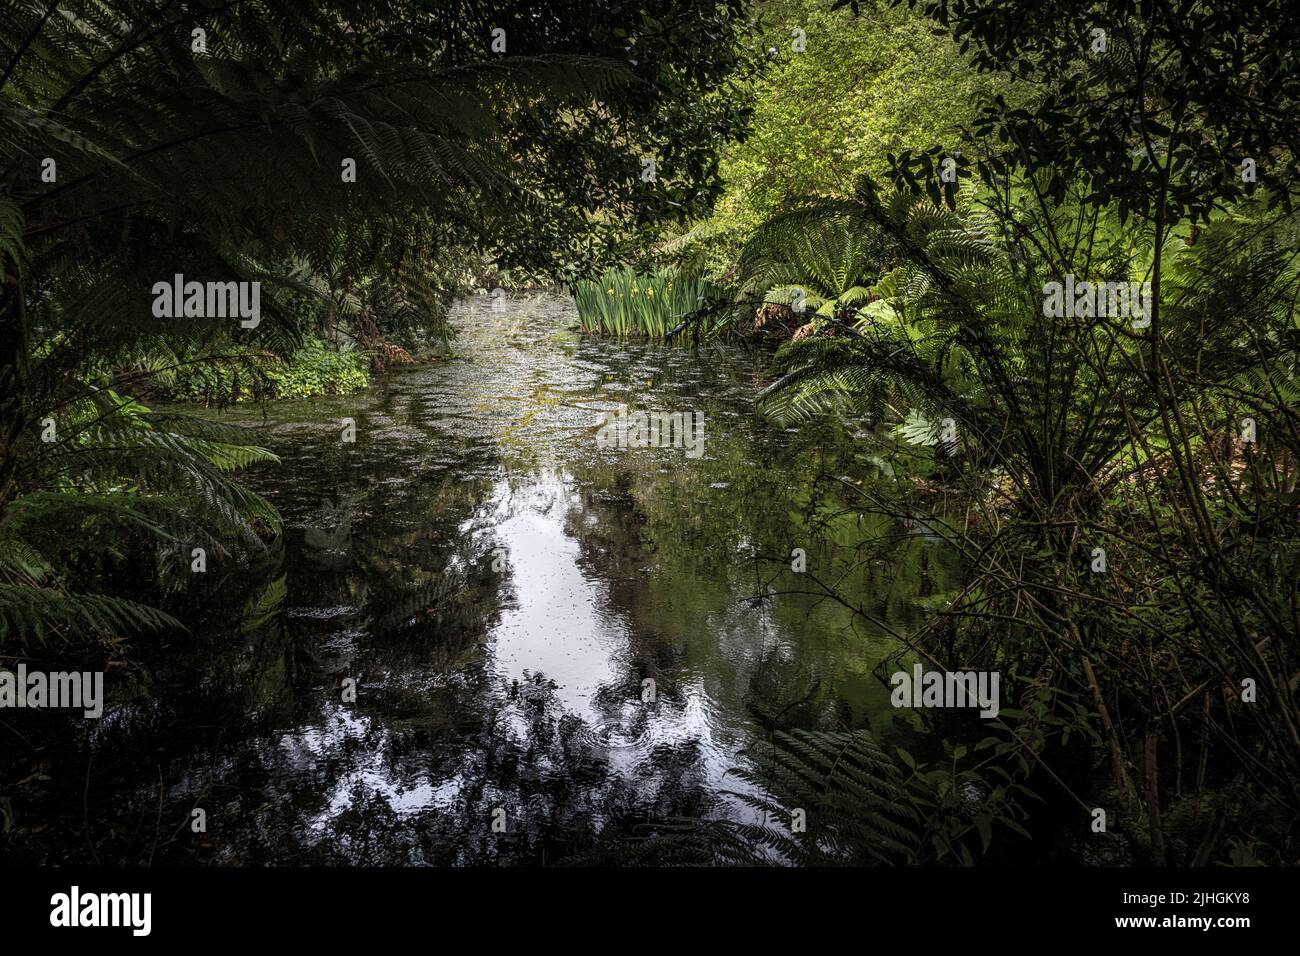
(558, 621)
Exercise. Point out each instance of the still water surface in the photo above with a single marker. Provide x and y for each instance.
(500, 589)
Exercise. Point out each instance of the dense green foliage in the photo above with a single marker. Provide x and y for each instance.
(1122, 483)
(1156, 105)
(315, 368)
(833, 101)
(818, 272)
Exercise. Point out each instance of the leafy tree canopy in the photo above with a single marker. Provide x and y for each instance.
(1163, 105)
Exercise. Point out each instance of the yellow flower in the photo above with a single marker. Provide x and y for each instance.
(649, 291)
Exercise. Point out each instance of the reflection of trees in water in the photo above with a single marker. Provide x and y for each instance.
(609, 529)
(387, 579)
(545, 769)
(785, 693)
(721, 529)
(336, 795)
(250, 726)
(613, 531)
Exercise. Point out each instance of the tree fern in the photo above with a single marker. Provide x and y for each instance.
(117, 470)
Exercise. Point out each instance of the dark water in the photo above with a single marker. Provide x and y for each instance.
(500, 590)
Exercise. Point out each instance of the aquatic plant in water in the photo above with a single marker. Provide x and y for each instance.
(624, 302)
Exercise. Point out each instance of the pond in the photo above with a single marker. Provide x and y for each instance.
(478, 614)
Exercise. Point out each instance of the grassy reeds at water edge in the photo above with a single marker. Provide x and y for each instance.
(623, 302)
